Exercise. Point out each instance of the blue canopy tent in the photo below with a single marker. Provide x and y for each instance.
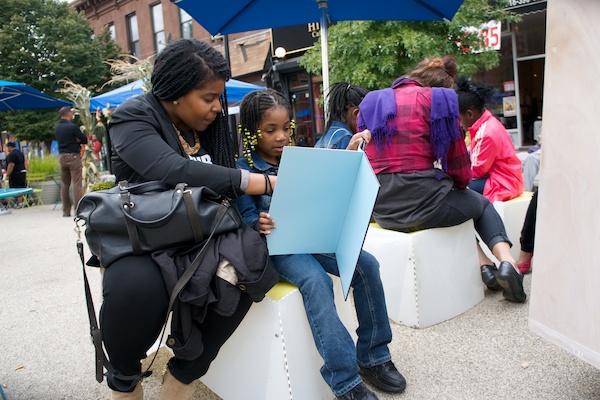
(235, 89)
(20, 96)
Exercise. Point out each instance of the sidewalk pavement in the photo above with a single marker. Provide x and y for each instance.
(46, 353)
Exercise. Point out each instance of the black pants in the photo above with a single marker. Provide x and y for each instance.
(465, 204)
(528, 231)
(133, 312)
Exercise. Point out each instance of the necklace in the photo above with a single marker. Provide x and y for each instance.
(186, 147)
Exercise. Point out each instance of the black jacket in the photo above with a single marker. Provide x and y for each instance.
(69, 137)
(146, 148)
(247, 251)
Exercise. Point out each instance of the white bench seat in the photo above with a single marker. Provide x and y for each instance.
(428, 276)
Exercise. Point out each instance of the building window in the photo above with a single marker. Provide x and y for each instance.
(134, 35)
(158, 27)
(186, 24)
(113, 32)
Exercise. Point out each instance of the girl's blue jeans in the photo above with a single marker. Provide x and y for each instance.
(342, 358)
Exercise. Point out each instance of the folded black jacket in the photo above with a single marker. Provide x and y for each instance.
(247, 251)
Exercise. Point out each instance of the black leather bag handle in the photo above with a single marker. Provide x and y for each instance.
(127, 205)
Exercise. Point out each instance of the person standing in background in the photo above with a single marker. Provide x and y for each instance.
(96, 147)
(15, 169)
(69, 138)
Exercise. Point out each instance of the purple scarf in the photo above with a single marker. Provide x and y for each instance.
(378, 115)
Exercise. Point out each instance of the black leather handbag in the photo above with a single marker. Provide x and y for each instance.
(145, 217)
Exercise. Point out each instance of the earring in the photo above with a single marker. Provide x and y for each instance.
(175, 102)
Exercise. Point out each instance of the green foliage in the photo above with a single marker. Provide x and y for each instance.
(41, 42)
(373, 54)
(102, 186)
(48, 165)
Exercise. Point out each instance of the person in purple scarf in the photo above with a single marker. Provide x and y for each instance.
(422, 164)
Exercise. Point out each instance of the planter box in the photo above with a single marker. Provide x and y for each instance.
(50, 191)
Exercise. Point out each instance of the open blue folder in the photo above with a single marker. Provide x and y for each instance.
(322, 204)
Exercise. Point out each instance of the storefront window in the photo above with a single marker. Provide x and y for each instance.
(531, 34)
(501, 78)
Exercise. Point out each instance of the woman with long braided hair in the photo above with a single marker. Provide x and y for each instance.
(176, 133)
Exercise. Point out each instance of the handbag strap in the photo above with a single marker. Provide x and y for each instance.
(126, 205)
(192, 215)
(101, 359)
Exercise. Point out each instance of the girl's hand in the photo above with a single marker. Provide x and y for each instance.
(265, 223)
(358, 138)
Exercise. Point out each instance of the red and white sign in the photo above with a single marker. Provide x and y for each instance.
(490, 33)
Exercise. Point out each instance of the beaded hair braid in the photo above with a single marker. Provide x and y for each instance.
(254, 106)
(341, 97)
(471, 95)
(188, 64)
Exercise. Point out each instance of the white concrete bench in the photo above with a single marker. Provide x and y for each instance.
(272, 354)
(428, 276)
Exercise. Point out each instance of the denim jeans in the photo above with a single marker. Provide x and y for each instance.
(334, 343)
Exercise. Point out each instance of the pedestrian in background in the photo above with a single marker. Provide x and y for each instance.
(15, 169)
(69, 138)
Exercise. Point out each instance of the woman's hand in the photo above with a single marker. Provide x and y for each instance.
(358, 138)
(265, 223)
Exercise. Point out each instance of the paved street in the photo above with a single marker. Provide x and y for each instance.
(45, 351)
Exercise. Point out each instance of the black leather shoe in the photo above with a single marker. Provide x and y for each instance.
(488, 276)
(358, 392)
(512, 283)
(384, 377)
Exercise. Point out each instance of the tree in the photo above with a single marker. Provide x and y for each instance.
(41, 42)
(373, 54)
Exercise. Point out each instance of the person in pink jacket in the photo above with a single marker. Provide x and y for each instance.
(497, 171)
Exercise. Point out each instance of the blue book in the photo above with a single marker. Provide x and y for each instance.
(322, 203)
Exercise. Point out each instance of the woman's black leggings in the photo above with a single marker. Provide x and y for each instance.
(528, 231)
(132, 315)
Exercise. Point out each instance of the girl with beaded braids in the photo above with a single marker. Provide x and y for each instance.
(266, 128)
(176, 133)
(343, 99)
(497, 171)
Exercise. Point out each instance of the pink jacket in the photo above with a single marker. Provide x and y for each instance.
(493, 154)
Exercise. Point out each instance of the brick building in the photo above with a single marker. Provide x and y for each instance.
(144, 27)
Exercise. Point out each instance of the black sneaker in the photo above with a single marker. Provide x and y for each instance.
(385, 377)
(358, 392)
(512, 283)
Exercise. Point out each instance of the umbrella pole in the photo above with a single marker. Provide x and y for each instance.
(324, 55)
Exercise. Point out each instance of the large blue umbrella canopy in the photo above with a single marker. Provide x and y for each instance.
(233, 16)
(235, 89)
(20, 96)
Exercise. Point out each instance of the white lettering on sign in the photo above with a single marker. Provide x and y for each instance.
(314, 28)
(513, 3)
(489, 32)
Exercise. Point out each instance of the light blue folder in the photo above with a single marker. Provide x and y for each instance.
(322, 204)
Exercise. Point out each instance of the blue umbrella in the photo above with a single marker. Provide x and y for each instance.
(19, 96)
(236, 90)
(233, 16)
